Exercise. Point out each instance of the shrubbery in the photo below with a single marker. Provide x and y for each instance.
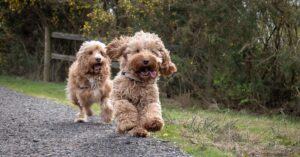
(240, 53)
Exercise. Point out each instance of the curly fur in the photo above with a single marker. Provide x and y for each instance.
(89, 81)
(135, 92)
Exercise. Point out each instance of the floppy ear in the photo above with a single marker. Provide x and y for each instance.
(167, 67)
(116, 47)
(82, 61)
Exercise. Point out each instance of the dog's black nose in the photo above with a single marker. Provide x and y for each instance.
(145, 62)
(98, 60)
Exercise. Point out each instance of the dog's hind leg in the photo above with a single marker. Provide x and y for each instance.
(126, 115)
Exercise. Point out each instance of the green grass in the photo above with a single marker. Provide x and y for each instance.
(228, 133)
(53, 91)
(200, 132)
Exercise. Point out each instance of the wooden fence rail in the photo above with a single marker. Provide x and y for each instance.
(63, 57)
(68, 36)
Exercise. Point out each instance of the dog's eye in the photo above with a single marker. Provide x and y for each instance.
(156, 53)
(103, 54)
(137, 50)
(90, 52)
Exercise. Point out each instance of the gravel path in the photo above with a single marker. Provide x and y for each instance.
(31, 126)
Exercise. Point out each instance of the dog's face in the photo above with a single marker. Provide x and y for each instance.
(141, 59)
(92, 57)
(143, 55)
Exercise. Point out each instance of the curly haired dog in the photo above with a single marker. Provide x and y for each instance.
(143, 58)
(89, 81)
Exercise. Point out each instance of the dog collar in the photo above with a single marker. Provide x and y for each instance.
(130, 77)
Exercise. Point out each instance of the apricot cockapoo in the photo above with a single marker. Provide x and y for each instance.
(89, 81)
(143, 58)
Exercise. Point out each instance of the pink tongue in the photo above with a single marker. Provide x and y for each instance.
(153, 74)
(97, 67)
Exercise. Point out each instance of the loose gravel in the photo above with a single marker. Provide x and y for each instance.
(32, 126)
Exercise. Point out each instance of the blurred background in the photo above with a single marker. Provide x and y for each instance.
(238, 54)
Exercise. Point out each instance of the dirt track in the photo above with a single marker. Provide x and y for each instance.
(37, 127)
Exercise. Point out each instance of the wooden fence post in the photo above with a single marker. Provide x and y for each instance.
(47, 55)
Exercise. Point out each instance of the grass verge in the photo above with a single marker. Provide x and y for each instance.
(200, 132)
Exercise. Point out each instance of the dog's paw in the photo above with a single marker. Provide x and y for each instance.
(89, 113)
(80, 120)
(107, 115)
(154, 124)
(123, 128)
(107, 118)
(139, 132)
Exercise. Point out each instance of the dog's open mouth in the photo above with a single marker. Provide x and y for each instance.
(97, 67)
(146, 72)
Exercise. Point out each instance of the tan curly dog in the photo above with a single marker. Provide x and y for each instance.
(89, 81)
(143, 58)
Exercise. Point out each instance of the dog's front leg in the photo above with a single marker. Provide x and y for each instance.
(107, 110)
(85, 103)
(151, 118)
(126, 115)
